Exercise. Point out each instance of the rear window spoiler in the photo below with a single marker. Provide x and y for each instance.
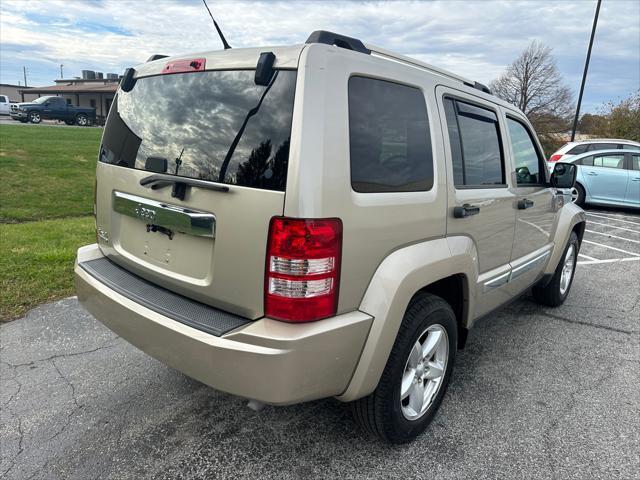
(342, 41)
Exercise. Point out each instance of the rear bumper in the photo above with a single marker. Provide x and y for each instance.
(266, 360)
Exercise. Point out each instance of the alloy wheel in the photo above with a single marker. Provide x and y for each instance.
(574, 195)
(567, 269)
(424, 372)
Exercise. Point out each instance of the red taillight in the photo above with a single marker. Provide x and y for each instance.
(303, 268)
(181, 66)
(555, 158)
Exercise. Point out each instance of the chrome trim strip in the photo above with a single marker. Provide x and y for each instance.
(530, 265)
(497, 281)
(514, 273)
(174, 217)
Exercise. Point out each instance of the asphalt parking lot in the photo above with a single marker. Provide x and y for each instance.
(537, 393)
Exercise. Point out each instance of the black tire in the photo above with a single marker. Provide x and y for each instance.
(552, 294)
(581, 195)
(82, 120)
(381, 413)
(34, 117)
(69, 122)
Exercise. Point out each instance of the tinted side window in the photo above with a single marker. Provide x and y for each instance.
(588, 161)
(525, 154)
(609, 161)
(389, 139)
(578, 149)
(603, 146)
(476, 148)
(635, 162)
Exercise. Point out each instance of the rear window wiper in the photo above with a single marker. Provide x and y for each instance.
(180, 184)
(240, 132)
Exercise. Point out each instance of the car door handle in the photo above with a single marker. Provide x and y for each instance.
(465, 210)
(524, 204)
(637, 179)
(593, 174)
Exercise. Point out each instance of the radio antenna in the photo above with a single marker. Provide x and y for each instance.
(215, 24)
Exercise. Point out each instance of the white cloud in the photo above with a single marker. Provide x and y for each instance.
(476, 39)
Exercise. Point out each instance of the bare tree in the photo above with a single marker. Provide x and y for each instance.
(534, 84)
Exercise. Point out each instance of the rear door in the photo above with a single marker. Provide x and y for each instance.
(192, 168)
(481, 202)
(55, 107)
(607, 178)
(633, 185)
(535, 204)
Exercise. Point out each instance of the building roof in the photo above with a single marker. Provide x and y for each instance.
(110, 88)
(87, 80)
(16, 86)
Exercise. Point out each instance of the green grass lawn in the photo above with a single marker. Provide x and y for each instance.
(47, 172)
(36, 261)
(45, 211)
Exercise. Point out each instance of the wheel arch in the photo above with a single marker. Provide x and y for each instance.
(570, 218)
(432, 266)
(454, 290)
(579, 228)
(584, 189)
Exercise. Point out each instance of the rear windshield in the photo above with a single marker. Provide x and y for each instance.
(195, 121)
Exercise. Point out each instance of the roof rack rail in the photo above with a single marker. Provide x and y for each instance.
(156, 56)
(349, 43)
(342, 41)
(479, 86)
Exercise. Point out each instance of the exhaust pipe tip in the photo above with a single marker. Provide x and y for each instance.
(255, 405)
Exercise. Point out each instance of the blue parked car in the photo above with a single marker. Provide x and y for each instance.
(608, 177)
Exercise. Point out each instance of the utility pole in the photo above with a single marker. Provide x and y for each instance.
(586, 68)
(61, 76)
(24, 72)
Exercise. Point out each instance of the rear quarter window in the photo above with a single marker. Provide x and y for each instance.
(578, 149)
(603, 146)
(389, 138)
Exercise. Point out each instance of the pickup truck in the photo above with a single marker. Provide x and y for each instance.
(53, 108)
(5, 105)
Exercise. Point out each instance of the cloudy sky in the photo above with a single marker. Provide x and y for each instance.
(474, 38)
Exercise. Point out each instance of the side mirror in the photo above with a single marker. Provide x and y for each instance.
(564, 175)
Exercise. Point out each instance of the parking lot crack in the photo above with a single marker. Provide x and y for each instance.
(20, 445)
(14, 394)
(61, 355)
(68, 382)
(587, 324)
